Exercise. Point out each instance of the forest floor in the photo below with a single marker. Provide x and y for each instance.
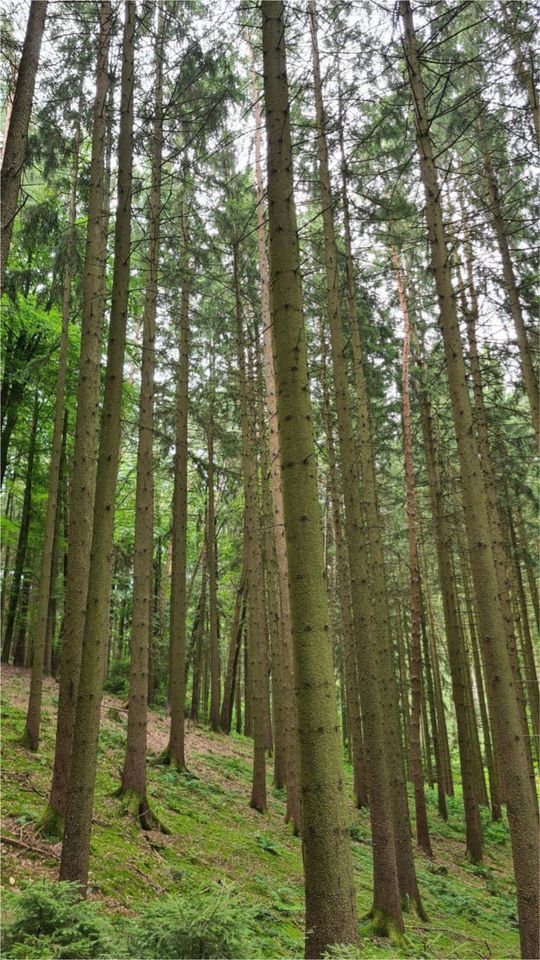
(215, 836)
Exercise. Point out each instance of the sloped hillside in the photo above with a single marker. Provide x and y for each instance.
(216, 839)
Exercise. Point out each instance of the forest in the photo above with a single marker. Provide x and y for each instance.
(269, 435)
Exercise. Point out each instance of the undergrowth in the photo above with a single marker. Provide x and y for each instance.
(152, 895)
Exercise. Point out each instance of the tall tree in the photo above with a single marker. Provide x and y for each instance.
(133, 787)
(329, 889)
(387, 915)
(508, 732)
(177, 680)
(83, 477)
(33, 718)
(15, 148)
(422, 830)
(78, 807)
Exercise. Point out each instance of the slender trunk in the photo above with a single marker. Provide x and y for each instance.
(82, 486)
(349, 659)
(527, 643)
(14, 156)
(397, 758)
(495, 791)
(256, 625)
(290, 720)
(422, 829)
(198, 627)
(437, 743)
(52, 605)
(238, 693)
(175, 752)
(84, 738)
(22, 543)
(529, 568)
(510, 741)
(530, 380)
(387, 915)
(234, 648)
(329, 887)
(212, 567)
(133, 785)
(31, 734)
(22, 653)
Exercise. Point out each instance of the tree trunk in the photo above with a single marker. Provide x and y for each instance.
(234, 648)
(290, 720)
(133, 787)
(422, 829)
(256, 622)
(16, 143)
(198, 627)
(329, 887)
(387, 915)
(175, 752)
(22, 543)
(530, 379)
(33, 717)
(394, 732)
(510, 741)
(471, 314)
(82, 487)
(349, 659)
(215, 692)
(75, 850)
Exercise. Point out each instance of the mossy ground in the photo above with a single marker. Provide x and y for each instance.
(216, 836)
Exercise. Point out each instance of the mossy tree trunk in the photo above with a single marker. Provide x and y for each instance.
(78, 816)
(83, 477)
(329, 887)
(289, 717)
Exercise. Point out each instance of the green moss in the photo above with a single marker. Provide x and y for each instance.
(214, 838)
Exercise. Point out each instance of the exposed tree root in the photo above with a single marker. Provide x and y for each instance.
(51, 824)
(381, 924)
(138, 807)
(414, 905)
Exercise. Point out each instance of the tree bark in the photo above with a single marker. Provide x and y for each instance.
(215, 692)
(175, 752)
(329, 887)
(33, 716)
(289, 713)
(256, 622)
(82, 487)
(22, 542)
(78, 812)
(394, 734)
(422, 829)
(15, 148)
(510, 741)
(133, 786)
